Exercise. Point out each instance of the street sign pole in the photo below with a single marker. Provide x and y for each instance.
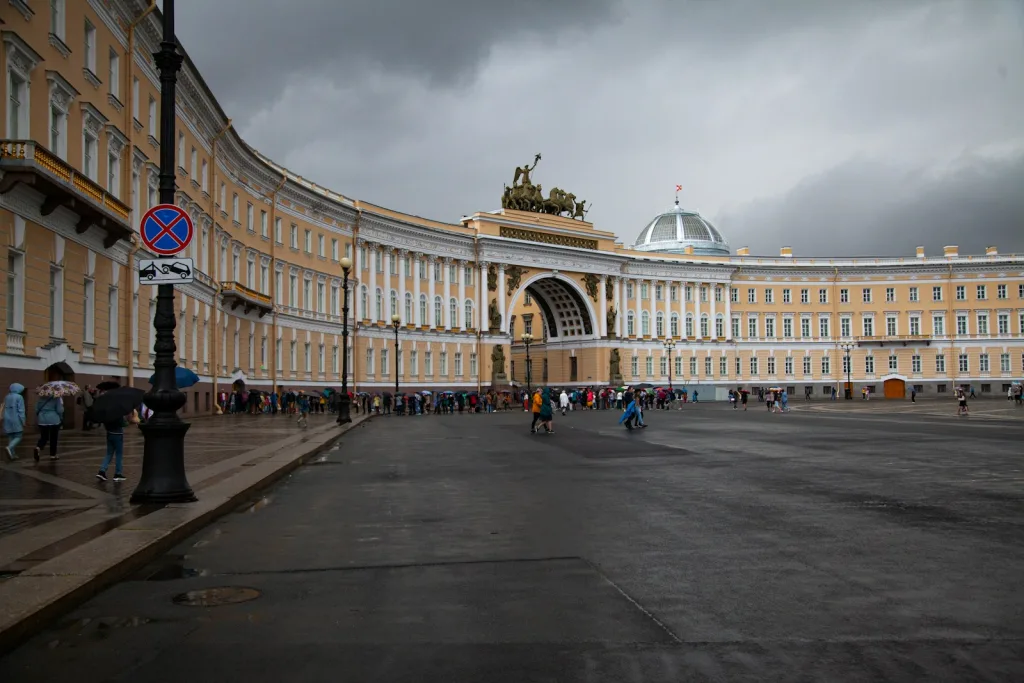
(163, 461)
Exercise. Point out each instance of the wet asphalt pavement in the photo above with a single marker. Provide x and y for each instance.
(714, 545)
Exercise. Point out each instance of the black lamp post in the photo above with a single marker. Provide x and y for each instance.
(527, 338)
(848, 390)
(396, 322)
(163, 458)
(670, 345)
(344, 416)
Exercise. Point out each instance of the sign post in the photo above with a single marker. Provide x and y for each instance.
(166, 230)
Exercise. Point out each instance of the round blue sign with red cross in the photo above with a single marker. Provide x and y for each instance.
(166, 229)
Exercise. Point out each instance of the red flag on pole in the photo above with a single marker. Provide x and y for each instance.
(679, 188)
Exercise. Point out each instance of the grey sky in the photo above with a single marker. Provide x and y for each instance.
(836, 127)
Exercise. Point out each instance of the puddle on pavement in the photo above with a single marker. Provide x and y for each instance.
(216, 597)
(257, 506)
(168, 568)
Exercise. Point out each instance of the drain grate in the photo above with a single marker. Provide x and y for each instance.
(216, 597)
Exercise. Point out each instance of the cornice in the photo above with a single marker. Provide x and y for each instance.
(400, 235)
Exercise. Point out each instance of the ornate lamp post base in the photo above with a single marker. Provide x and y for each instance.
(163, 465)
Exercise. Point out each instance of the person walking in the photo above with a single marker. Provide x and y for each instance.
(303, 420)
(547, 418)
(115, 450)
(535, 402)
(913, 395)
(563, 401)
(14, 419)
(49, 416)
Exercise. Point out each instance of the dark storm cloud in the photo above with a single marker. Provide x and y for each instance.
(440, 41)
(872, 209)
(427, 106)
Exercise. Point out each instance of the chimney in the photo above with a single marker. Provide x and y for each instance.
(991, 251)
(920, 252)
(786, 252)
(743, 251)
(951, 251)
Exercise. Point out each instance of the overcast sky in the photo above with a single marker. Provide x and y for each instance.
(839, 127)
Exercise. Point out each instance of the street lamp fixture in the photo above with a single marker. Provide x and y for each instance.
(396, 322)
(344, 407)
(527, 338)
(848, 390)
(670, 345)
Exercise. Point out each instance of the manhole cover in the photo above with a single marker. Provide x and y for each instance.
(215, 597)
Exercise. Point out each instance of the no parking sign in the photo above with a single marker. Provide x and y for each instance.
(166, 230)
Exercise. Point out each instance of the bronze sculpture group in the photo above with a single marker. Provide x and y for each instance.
(523, 195)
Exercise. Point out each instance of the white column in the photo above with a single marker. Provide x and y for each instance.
(386, 287)
(711, 315)
(501, 296)
(481, 295)
(652, 307)
(446, 305)
(728, 311)
(666, 293)
(602, 301)
(357, 304)
(403, 257)
(682, 309)
(460, 267)
(621, 312)
(696, 310)
(416, 276)
(371, 295)
(431, 261)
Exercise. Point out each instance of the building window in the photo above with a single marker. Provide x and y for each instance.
(673, 325)
(629, 290)
(983, 323)
(964, 364)
(915, 364)
(751, 328)
(869, 365)
(234, 207)
(659, 324)
(249, 225)
(193, 163)
(893, 362)
(866, 295)
(308, 243)
(807, 365)
(443, 366)
(114, 174)
(844, 296)
(152, 117)
(334, 253)
(90, 47)
(961, 323)
(15, 290)
(940, 364)
(769, 327)
(428, 363)
(961, 292)
(787, 327)
(823, 328)
(734, 295)
(844, 326)
(630, 324)
(1000, 291)
(203, 171)
(659, 294)
(645, 323)
(753, 365)
(719, 327)
(1003, 321)
(789, 365)
(936, 293)
(467, 321)
(90, 152)
(181, 151)
(869, 326)
(634, 366)
(369, 360)
(458, 364)
(295, 237)
(718, 293)
(723, 366)
(673, 292)
(751, 296)
(769, 295)
(649, 366)
(472, 365)
(644, 294)
(983, 365)
(56, 302)
(437, 311)
(114, 74)
(846, 365)
(890, 294)
(786, 297)
(982, 292)
(890, 326)
(385, 366)
(913, 294)
(1004, 363)
(58, 20)
(822, 296)
(736, 328)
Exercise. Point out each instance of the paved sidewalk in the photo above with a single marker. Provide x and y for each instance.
(987, 409)
(48, 507)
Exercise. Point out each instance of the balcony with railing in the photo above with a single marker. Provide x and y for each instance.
(27, 162)
(235, 294)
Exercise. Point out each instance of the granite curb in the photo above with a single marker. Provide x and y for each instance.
(31, 600)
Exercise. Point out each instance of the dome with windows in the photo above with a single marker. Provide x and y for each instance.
(673, 231)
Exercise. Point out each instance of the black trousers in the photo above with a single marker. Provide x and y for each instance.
(48, 433)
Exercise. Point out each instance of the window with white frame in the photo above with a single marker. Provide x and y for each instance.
(769, 327)
(113, 316)
(1003, 322)
(822, 296)
(203, 172)
(844, 296)
(789, 365)
(845, 325)
(734, 295)
(659, 294)
(938, 325)
(458, 363)
(58, 18)
(644, 294)
(630, 324)
(1004, 363)
(181, 151)
(467, 276)
(983, 323)
(693, 366)
(707, 365)
(295, 237)
(234, 207)
(915, 364)
(308, 241)
(914, 294)
(787, 327)
(135, 98)
(467, 321)
(17, 102)
(807, 365)
(113, 170)
(915, 325)
(961, 323)
(414, 363)
(645, 323)
(15, 289)
(769, 295)
(936, 293)
(438, 309)
(719, 326)
(673, 325)
(114, 74)
(868, 325)
(771, 365)
(805, 296)
(823, 327)
(659, 324)
(983, 364)
(894, 365)
(869, 365)
(982, 292)
(965, 365)
(1000, 291)
(193, 164)
(152, 117)
(752, 328)
(739, 366)
(634, 366)
(90, 154)
(385, 366)
(961, 292)
(846, 365)
(629, 290)
(472, 365)
(443, 364)
(90, 46)
(753, 365)
(787, 296)
(826, 365)
(718, 293)
(866, 295)
(736, 328)
(890, 326)
(649, 362)
(723, 366)
(751, 296)
(890, 294)
(940, 363)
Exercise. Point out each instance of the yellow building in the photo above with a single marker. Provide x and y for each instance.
(79, 168)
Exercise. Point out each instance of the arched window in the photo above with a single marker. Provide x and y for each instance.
(437, 311)
(453, 312)
(468, 319)
(423, 310)
(689, 324)
(408, 307)
(364, 304)
(674, 325)
(380, 305)
(659, 324)
(394, 302)
(704, 325)
(645, 323)
(719, 326)
(630, 323)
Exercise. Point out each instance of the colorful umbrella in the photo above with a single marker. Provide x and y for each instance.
(58, 389)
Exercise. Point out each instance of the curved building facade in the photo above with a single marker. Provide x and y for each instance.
(79, 168)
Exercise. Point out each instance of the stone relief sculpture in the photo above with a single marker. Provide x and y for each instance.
(494, 315)
(492, 278)
(515, 277)
(612, 317)
(591, 281)
(609, 289)
(614, 371)
(523, 195)
(498, 365)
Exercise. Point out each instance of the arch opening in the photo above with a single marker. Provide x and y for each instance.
(564, 308)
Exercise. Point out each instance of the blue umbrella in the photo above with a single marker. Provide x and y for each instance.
(183, 377)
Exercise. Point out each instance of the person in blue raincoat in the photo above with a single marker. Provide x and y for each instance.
(14, 419)
(632, 412)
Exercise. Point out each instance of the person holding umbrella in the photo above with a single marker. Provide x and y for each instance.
(49, 416)
(110, 409)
